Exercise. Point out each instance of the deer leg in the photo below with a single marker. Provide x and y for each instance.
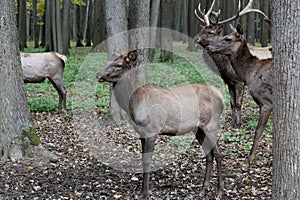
(147, 153)
(200, 135)
(239, 93)
(217, 155)
(232, 94)
(62, 92)
(265, 112)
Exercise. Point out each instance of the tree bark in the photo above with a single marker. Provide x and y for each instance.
(286, 120)
(17, 134)
(48, 25)
(66, 27)
(139, 17)
(35, 25)
(116, 24)
(264, 28)
(22, 24)
(166, 34)
(58, 23)
(99, 28)
(154, 13)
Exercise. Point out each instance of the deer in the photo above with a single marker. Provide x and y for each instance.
(212, 31)
(156, 111)
(37, 67)
(255, 73)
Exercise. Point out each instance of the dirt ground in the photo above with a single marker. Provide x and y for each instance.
(90, 165)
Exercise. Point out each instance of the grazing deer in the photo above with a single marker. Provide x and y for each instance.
(256, 73)
(167, 111)
(211, 32)
(39, 66)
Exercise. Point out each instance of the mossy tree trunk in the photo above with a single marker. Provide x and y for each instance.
(17, 135)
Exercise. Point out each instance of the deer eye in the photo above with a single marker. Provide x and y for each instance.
(228, 39)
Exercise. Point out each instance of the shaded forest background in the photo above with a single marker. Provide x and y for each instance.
(52, 24)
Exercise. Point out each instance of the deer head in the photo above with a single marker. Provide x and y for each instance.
(114, 70)
(229, 44)
(212, 29)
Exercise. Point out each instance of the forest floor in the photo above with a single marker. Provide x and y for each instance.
(101, 162)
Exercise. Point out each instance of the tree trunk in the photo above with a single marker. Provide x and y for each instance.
(286, 121)
(58, 23)
(17, 134)
(153, 23)
(88, 18)
(36, 28)
(191, 25)
(166, 35)
(66, 27)
(251, 28)
(264, 28)
(48, 25)
(79, 25)
(139, 17)
(22, 24)
(116, 23)
(99, 24)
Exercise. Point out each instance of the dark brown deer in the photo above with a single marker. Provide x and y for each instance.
(212, 31)
(39, 66)
(167, 111)
(256, 73)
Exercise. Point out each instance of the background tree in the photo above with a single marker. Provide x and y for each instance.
(99, 26)
(166, 18)
(35, 26)
(116, 23)
(66, 27)
(286, 121)
(17, 134)
(154, 13)
(139, 17)
(22, 24)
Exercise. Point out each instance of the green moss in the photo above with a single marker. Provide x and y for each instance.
(32, 136)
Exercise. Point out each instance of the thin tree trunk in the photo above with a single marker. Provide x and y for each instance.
(264, 29)
(166, 34)
(116, 22)
(139, 17)
(251, 28)
(66, 27)
(53, 24)
(286, 120)
(154, 13)
(99, 26)
(22, 24)
(16, 127)
(48, 24)
(35, 29)
(191, 25)
(58, 23)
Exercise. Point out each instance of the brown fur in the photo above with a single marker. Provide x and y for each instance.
(256, 73)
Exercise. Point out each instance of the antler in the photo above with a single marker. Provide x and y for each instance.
(246, 10)
(205, 19)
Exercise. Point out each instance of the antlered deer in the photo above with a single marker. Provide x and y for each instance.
(167, 111)
(39, 66)
(211, 32)
(256, 73)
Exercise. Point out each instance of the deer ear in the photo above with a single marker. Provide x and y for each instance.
(131, 56)
(232, 28)
(239, 29)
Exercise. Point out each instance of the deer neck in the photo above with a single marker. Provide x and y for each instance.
(124, 88)
(242, 60)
